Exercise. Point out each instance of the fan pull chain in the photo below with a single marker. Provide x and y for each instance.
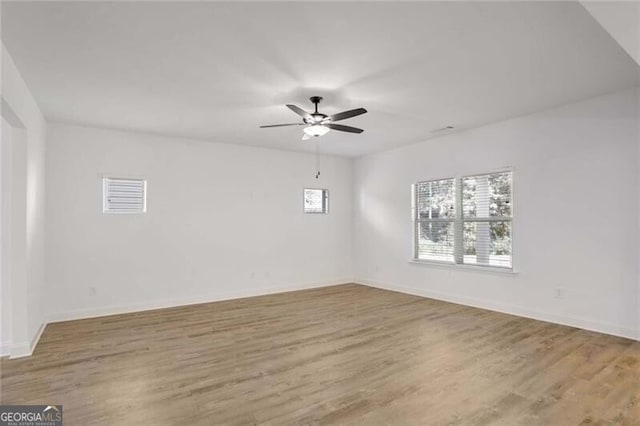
(317, 167)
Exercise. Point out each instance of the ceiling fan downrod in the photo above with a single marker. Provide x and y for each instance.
(316, 100)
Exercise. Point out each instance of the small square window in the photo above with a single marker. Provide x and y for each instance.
(316, 200)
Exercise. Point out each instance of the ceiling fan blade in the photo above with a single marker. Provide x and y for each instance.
(341, 128)
(306, 137)
(302, 113)
(346, 114)
(282, 125)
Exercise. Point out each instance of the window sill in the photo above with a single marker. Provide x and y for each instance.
(470, 268)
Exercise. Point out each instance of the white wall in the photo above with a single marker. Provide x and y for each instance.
(222, 221)
(23, 267)
(637, 106)
(576, 215)
(5, 239)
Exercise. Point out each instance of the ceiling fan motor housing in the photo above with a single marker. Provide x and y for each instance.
(317, 118)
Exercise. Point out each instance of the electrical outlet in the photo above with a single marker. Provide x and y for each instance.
(559, 293)
(92, 291)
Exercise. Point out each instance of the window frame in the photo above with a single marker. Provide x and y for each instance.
(325, 200)
(458, 224)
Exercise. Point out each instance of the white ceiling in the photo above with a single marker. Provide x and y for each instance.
(621, 19)
(217, 71)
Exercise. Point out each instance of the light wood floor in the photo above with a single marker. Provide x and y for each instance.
(338, 355)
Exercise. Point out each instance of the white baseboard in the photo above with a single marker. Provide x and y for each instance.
(584, 323)
(24, 349)
(5, 348)
(171, 303)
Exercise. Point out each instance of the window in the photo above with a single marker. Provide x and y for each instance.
(124, 195)
(316, 200)
(465, 221)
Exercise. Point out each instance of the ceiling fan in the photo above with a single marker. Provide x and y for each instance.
(319, 124)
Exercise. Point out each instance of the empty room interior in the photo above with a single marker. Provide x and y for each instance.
(374, 213)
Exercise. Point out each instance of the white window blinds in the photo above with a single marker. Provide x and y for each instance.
(435, 219)
(466, 220)
(123, 195)
(487, 214)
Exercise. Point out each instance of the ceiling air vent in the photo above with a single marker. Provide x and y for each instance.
(443, 129)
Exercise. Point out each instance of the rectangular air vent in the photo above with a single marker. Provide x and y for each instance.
(124, 195)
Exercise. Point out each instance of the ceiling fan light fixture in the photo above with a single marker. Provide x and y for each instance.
(316, 130)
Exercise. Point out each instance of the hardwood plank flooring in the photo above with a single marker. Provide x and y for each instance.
(346, 354)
